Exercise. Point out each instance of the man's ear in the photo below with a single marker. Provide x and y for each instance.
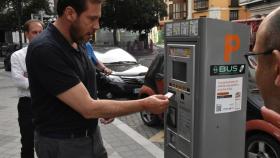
(276, 54)
(70, 13)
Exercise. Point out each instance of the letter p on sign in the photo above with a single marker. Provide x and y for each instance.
(232, 44)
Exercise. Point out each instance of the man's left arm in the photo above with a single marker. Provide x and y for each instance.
(18, 74)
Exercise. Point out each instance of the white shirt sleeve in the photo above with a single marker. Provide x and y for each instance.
(19, 75)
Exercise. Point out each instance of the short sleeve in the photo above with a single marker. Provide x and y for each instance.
(90, 53)
(52, 70)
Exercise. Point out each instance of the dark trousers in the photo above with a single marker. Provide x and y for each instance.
(26, 126)
(83, 147)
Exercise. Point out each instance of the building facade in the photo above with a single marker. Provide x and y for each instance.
(259, 8)
(177, 9)
(192, 9)
(219, 9)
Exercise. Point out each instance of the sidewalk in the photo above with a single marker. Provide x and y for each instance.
(120, 140)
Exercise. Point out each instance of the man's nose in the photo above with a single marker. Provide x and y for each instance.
(96, 26)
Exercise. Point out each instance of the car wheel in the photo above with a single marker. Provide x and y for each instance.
(149, 119)
(262, 146)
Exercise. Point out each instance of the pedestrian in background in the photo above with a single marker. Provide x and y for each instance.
(63, 90)
(90, 53)
(95, 61)
(19, 74)
(266, 60)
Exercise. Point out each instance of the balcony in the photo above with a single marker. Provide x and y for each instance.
(247, 2)
(201, 4)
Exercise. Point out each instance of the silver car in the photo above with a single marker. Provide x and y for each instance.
(127, 76)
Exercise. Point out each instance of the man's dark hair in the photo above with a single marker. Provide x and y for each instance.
(28, 22)
(272, 35)
(78, 5)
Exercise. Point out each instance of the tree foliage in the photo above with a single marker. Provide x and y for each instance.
(10, 11)
(133, 15)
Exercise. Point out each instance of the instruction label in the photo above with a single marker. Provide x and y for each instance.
(228, 95)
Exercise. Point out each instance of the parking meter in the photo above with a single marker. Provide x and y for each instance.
(207, 73)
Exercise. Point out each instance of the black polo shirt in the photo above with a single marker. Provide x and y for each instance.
(53, 67)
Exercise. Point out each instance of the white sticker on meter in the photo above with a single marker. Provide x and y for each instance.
(228, 95)
(169, 94)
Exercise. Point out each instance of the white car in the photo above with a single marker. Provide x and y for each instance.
(127, 76)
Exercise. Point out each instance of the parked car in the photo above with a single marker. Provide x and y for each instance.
(153, 84)
(262, 124)
(262, 129)
(127, 76)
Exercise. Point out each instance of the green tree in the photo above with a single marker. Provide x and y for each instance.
(11, 12)
(133, 15)
(111, 15)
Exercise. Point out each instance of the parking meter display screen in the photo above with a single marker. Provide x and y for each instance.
(179, 71)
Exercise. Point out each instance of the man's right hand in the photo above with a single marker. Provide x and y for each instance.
(107, 71)
(156, 104)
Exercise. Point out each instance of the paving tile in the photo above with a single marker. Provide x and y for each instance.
(124, 145)
(2, 107)
(134, 121)
(6, 139)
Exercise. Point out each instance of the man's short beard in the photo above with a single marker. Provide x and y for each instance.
(74, 30)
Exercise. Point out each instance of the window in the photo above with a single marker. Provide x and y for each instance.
(233, 15)
(234, 3)
(201, 4)
(180, 11)
(170, 11)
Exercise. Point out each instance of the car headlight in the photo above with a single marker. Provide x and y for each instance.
(115, 78)
(141, 79)
(142, 74)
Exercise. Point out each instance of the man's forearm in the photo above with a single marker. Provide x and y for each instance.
(110, 108)
(100, 66)
(80, 100)
(21, 81)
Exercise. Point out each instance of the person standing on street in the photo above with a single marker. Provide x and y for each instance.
(90, 53)
(18, 69)
(265, 58)
(63, 90)
(95, 61)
